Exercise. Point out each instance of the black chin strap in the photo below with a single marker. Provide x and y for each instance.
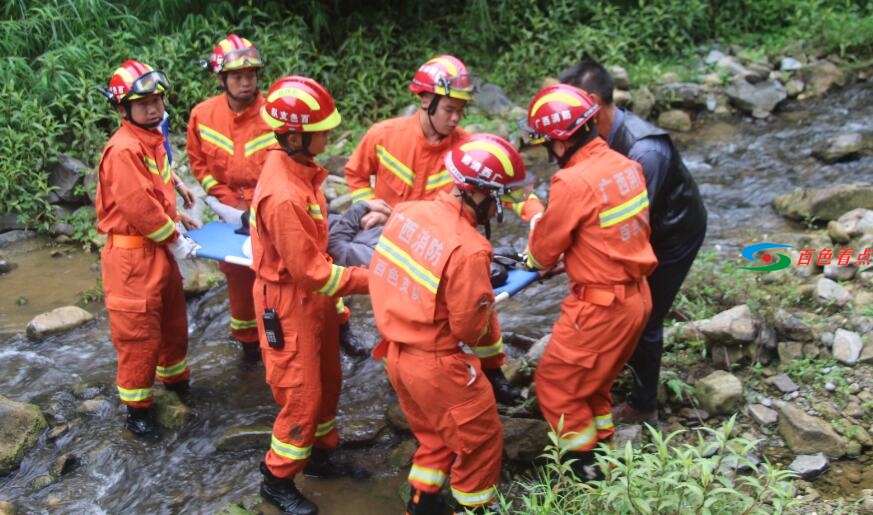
(431, 110)
(306, 140)
(481, 210)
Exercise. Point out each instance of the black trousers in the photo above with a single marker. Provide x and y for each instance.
(664, 282)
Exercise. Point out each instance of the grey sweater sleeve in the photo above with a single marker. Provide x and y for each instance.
(347, 243)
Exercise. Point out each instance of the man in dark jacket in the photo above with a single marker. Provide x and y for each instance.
(678, 221)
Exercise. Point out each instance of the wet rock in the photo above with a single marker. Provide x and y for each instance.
(792, 327)
(825, 203)
(64, 464)
(492, 100)
(7, 508)
(255, 436)
(719, 393)
(838, 233)
(524, 439)
(64, 175)
(783, 383)
(762, 414)
(806, 434)
(56, 321)
(100, 407)
(361, 431)
(40, 482)
(828, 292)
(856, 222)
(809, 466)
(401, 456)
(199, 275)
(790, 64)
(395, 417)
(170, 412)
(759, 99)
(822, 75)
(675, 120)
(847, 346)
(681, 94)
(20, 426)
(794, 87)
(14, 236)
(536, 351)
(57, 432)
(842, 147)
(731, 327)
(233, 509)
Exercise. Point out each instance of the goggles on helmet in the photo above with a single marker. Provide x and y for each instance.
(463, 86)
(152, 82)
(533, 137)
(242, 58)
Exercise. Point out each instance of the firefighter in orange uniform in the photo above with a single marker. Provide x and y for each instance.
(430, 289)
(295, 290)
(404, 158)
(227, 146)
(598, 219)
(136, 209)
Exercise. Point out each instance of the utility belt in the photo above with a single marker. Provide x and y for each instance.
(604, 294)
(129, 241)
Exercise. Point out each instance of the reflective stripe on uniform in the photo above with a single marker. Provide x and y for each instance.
(289, 451)
(604, 422)
(533, 263)
(315, 212)
(624, 211)
(418, 273)
(263, 141)
(578, 441)
(216, 138)
(427, 476)
(208, 183)
(134, 394)
(173, 370)
(332, 285)
(362, 194)
(163, 170)
(394, 165)
(474, 498)
(325, 427)
(488, 351)
(164, 232)
(253, 218)
(238, 324)
(438, 180)
(340, 306)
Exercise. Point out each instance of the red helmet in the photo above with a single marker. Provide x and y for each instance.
(234, 53)
(133, 80)
(486, 162)
(557, 112)
(299, 104)
(445, 75)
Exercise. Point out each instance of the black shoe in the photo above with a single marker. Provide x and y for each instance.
(284, 494)
(322, 466)
(141, 423)
(423, 503)
(350, 343)
(504, 392)
(251, 352)
(181, 388)
(584, 466)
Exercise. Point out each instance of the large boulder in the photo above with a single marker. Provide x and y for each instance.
(20, 426)
(822, 76)
(842, 147)
(524, 439)
(759, 99)
(806, 434)
(735, 326)
(64, 175)
(56, 321)
(825, 204)
(719, 393)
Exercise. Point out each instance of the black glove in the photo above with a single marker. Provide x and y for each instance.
(244, 221)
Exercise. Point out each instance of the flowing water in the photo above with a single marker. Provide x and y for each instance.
(740, 166)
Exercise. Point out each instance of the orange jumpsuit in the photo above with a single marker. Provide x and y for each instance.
(405, 164)
(296, 277)
(136, 208)
(226, 151)
(430, 289)
(598, 219)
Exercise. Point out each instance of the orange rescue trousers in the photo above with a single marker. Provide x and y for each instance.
(240, 280)
(147, 319)
(592, 340)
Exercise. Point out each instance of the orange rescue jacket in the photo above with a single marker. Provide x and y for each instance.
(598, 217)
(135, 194)
(227, 150)
(405, 164)
(289, 230)
(429, 279)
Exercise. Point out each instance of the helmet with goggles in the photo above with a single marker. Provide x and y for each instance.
(445, 75)
(133, 80)
(234, 53)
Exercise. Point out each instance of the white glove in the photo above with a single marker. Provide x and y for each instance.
(184, 247)
(227, 214)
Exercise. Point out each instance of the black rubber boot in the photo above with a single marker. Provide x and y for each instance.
(350, 343)
(584, 467)
(141, 422)
(322, 466)
(504, 392)
(283, 493)
(423, 503)
(181, 388)
(251, 351)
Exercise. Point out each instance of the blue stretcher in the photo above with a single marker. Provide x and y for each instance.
(219, 242)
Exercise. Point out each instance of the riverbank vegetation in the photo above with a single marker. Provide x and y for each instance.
(57, 51)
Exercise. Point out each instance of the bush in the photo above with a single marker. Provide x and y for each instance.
(714, 474)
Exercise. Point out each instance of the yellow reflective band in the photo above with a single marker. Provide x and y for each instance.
(488, 351)
(447, 63)
(418, 273)
(333, 282)
(208, 183)
(172, 370)
(578, 441)
(427, 476)
(216, 138)
(315, 212)
(164, 232)
(604, 422)
(291, 452)
(297, 93)
(163, 170)
(253, 219)
(395, 166)
(474, 498)
(325, 428)
(325, 125)
(557, 96)
(438, 180)
(621, 213)
(340, 306)
(494, 150)
(238, 324)
(518, 207)
(263, 141)
(362, 194)
(533, 263)
(134, 395)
